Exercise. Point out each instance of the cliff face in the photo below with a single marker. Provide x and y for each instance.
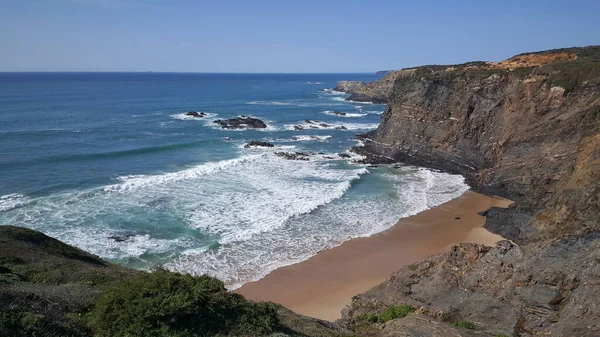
(530, 134)
(527, 128)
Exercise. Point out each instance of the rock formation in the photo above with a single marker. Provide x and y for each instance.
(258, 143)
(527, 128)
(195, 114)
(242, 122)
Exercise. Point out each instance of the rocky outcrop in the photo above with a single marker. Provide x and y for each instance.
(242, 122)
(530, 134)
(258, 143)
(542, 289)
(374, 92)
(527, 128)
(293, 155)
(195, 114)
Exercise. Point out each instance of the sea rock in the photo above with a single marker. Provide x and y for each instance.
(341, 127)
(484, 213)
(293, 155)
(298, 128)
(258, 143)
(122, 237)
(338, 113)
(195, 114)
(344, 155)
(242, 122)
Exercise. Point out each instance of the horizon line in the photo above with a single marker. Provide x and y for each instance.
(176, 72)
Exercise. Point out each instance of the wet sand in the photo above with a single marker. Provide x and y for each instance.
(322, 285)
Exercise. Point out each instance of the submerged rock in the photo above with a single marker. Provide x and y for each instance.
(293, 155)
(121, 237)
(344, 155)
(338, 113)
(242, 122)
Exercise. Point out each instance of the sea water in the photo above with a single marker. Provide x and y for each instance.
(110, 163)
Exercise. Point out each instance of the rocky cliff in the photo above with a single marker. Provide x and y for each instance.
(528, 129)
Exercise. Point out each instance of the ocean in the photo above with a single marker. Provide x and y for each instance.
(110, 163)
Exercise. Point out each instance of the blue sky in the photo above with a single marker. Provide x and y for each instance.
(282, 36)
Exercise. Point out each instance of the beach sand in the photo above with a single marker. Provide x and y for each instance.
(322, 285)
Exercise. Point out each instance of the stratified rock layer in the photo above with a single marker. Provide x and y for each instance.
(527, 128)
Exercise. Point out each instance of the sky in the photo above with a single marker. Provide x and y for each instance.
(290, 36)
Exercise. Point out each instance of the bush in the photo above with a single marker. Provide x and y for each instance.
(163, 303)
(465, 324)
(395, 312)
(371, 318)
(388, 314)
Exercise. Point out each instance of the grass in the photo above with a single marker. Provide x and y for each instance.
(387, 315)
(465, 325)
(413, 267)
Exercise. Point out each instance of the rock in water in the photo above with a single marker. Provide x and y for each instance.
(258, 143)
(195, 114)
(292, 155)
(242, 122)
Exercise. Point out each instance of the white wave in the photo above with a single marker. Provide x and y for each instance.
(346, 114)
(342, 219)
(269, 103)
(300, 103)
(184, 117)
(374, 112)
(133, 182)
(314, 82)
(11, 201)
(316, 125)
(304, 138)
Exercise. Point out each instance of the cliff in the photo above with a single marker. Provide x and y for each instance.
(526, 128)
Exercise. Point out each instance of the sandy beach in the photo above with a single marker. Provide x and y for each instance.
(322, 285)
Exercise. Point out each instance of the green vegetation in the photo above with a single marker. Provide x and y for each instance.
(163, 303)
(465, 324)
(48, 288)
(413, 267)
(371, 318)
(388, 314)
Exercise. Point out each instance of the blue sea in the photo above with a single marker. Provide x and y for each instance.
(90, 157)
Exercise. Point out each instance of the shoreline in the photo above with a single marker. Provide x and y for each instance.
(322, 285)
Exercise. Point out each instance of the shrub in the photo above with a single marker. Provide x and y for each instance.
(395, 312)
(164, 303)
(413, 267)
(371, 318)
(465, 324)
